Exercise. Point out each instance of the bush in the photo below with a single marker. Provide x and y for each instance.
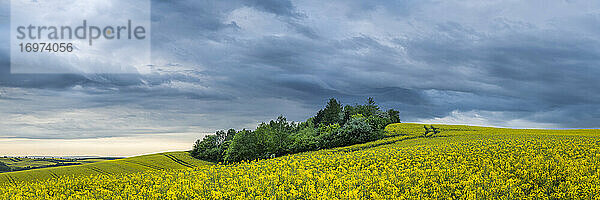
(378, 122)
(355, 131)
(358, 130)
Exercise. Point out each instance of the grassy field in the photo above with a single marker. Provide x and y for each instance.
(27, 163)
(162, 161)
(462, 162)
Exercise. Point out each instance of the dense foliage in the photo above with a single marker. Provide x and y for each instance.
(333, 126)
(212, 147)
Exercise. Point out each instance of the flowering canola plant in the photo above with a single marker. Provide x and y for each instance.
(463, 162)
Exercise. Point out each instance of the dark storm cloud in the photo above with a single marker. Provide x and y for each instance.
(221, 64)
(551, 70)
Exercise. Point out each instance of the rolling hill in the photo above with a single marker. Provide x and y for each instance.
(160, 161)
(28, 163)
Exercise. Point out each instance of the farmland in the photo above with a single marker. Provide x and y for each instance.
(462, 162)
(27, 163)
(162, 161)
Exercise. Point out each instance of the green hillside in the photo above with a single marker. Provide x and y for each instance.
(161, 161)
(28, 163)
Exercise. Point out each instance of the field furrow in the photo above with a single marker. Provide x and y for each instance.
(179, 161)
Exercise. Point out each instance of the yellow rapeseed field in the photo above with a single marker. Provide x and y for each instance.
(463, 162)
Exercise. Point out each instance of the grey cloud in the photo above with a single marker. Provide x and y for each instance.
(279, 7)
(431, 60)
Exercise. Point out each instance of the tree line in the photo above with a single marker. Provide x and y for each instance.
(333, 126)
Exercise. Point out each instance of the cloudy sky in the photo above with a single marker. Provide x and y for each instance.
(231, 64)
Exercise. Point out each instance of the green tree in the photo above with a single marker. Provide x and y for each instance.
(276, 136)
(356, 130)
(331, 114)
(230, 134)
(246, 145)
(305, 139)
(329, 136)
(378, 123)
(348, 112)
(206, 149)
(212, 147)
(394, 116)
(368, 109)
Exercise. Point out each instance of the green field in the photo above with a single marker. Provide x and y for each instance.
(28, 163)
(161, 161)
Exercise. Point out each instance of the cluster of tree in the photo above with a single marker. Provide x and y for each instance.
(334, 126)
(4, 167)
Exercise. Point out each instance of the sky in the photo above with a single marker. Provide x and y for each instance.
(232, 64)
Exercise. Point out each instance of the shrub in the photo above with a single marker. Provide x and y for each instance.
(355, 131)
(378, 122)
(358, 130)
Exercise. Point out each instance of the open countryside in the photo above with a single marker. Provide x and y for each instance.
(460, 162)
